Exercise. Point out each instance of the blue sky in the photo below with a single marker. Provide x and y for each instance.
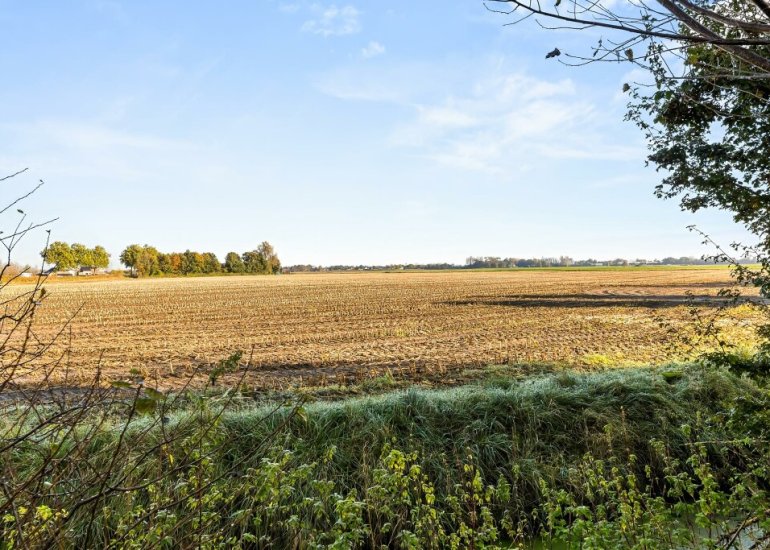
(361, 132)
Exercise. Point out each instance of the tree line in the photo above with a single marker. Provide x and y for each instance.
(147, 261)
(495, 262)
(566, 261)
(75, 256)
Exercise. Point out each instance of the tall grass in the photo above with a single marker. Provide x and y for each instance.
(457, 467)
(542, 423)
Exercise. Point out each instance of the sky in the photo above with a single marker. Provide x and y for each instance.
(343, 133)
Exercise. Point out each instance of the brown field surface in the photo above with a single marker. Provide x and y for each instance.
(334, 328)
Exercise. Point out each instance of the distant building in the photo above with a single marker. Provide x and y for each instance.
(91, 270)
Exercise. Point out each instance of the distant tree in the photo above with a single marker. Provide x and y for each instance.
(130, 255)
(59, 254)
(164, 263)
(234, 263)
(142, 260)
(147, 262)
(192, 262)
(66, 256)
(272, 263)
(302, 268)
(211, 263)
(100, 257)
(175, 259)
(83, 255)
(254, 262)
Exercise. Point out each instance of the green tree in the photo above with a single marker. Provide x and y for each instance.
(59, 254)
(234, 263)
(142, 260)
(164, 263)
(272, 263)
(211, 263)
(147, 263)
(254, 262)
(130, 255)
(83, 255)
(710, 135)
(192, 262)
(706, 111)
(100, 257)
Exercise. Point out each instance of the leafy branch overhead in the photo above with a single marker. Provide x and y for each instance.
(702, 103)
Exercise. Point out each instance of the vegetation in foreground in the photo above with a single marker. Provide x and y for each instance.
(639, 458)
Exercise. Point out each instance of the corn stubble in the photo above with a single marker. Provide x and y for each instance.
(338, 328)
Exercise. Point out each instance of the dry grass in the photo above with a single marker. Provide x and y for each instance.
(331, 328)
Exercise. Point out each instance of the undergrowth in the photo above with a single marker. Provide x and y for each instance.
(638, 458)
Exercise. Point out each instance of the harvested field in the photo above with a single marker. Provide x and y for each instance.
(334, 328)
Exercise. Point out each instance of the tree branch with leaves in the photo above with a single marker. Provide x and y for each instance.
(703, 106)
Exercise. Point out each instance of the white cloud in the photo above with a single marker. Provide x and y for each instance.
(353, 85)
(372, 49)
(505, 121)
(66, 147)
(400, 83)
(446, 116)
(492, 120)
(499, 118)
(93, 136)
(333, 21)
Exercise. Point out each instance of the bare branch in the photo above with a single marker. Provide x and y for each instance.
(637, 27)
(14, 174)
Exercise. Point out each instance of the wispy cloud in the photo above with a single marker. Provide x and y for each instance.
(402, 82)
(333, 20)
(502, 119)
(79, 135)
(372, 49)
(495, 122)
(87, 149)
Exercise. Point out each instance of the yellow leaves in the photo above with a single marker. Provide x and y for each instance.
(43, 512)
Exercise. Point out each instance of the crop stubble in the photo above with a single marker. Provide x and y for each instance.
(338, 327)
